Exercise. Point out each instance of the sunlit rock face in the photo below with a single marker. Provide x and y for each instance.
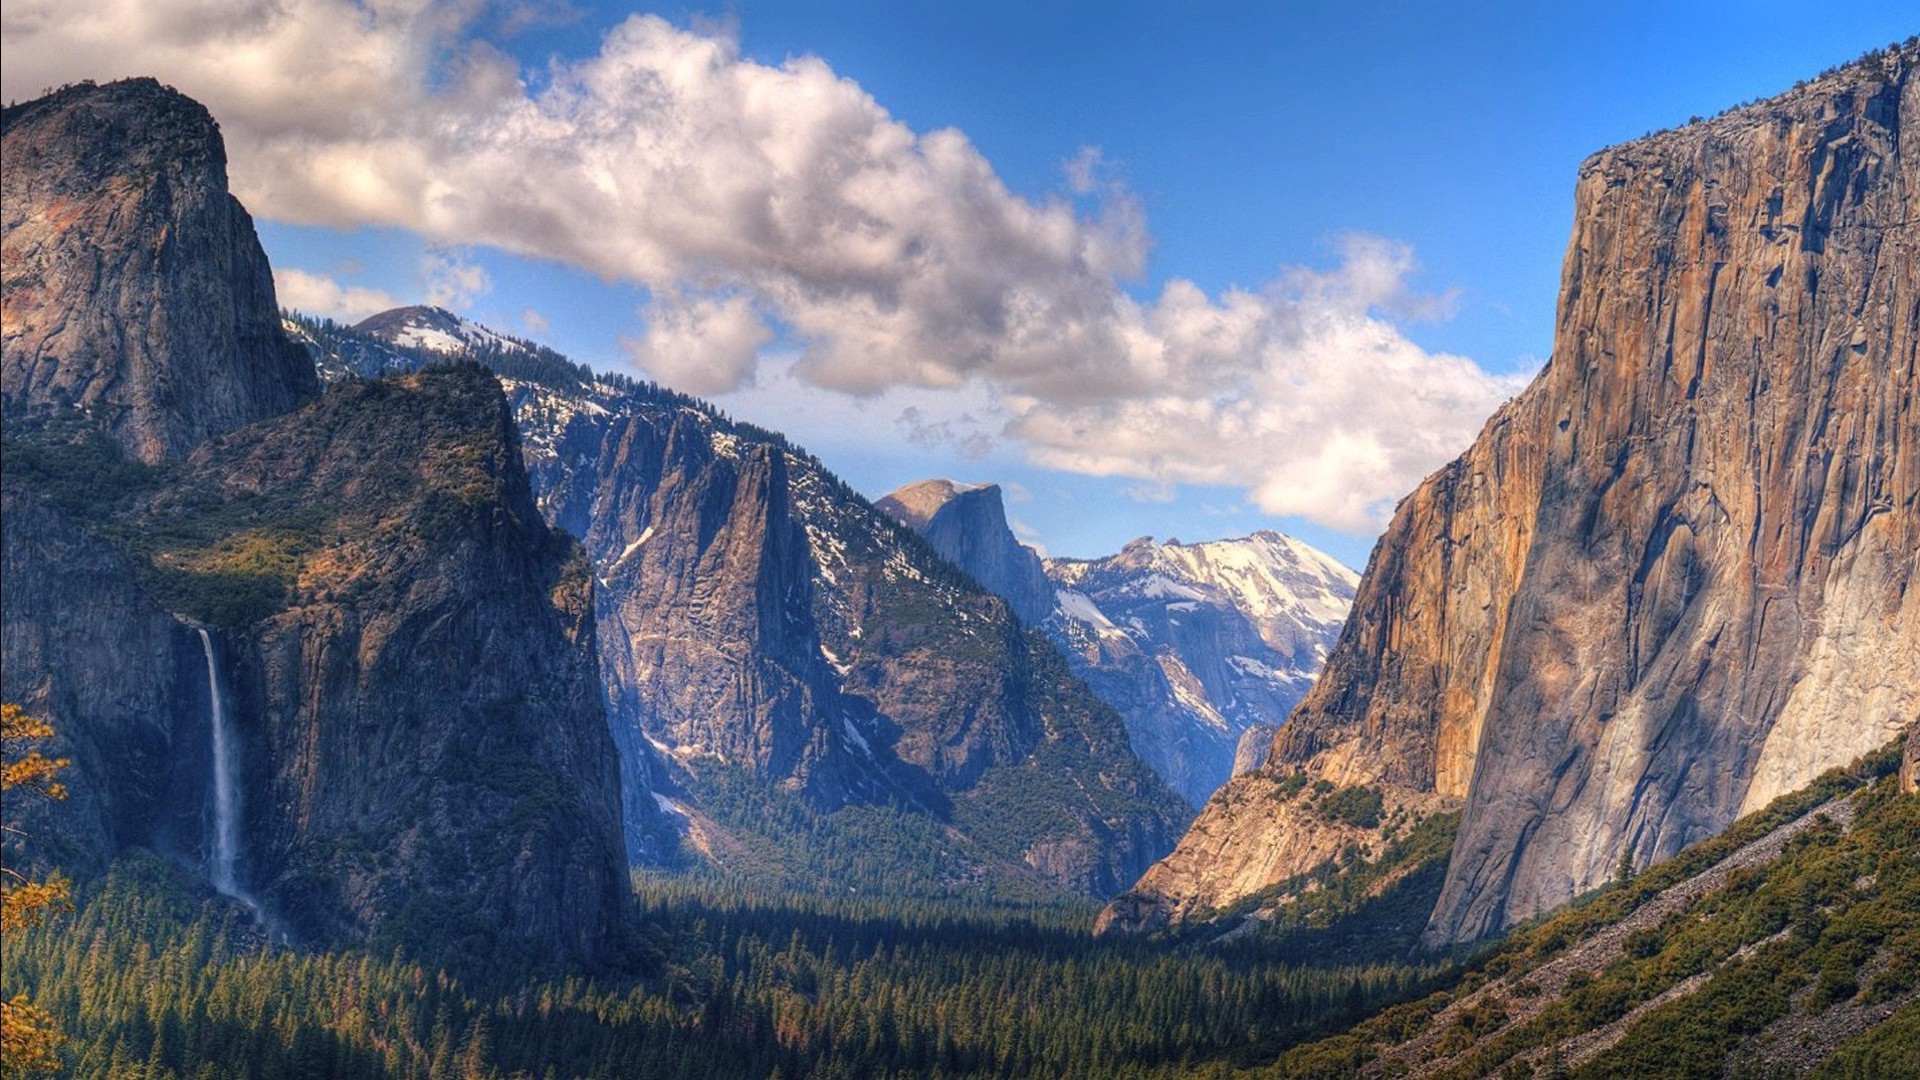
(1674, 578)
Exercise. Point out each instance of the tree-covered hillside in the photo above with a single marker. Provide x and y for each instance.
(1720, 964)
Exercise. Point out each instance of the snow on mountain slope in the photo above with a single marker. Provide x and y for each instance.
(1196, 644)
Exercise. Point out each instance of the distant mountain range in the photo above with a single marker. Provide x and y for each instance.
(1203, 648)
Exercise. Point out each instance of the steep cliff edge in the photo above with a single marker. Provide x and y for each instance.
(404, 650)
(133, 286)
(1674, 578)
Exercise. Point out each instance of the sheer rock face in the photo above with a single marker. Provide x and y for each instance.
(405, 648)
(134, 287)
(117, 675)
(426, 734)
(422, 755)
(1675, 577)
(967, 524)
(763, 627)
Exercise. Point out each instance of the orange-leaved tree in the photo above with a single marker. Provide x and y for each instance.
(29, 1038)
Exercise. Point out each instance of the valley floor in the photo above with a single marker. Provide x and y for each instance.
(1788, 946)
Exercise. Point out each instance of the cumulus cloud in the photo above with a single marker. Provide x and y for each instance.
(701, 344)
(452, 280)
(740, 193)
(317, 294)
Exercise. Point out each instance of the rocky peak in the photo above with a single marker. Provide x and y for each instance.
(434, 329)
(134, 287)
(967, 523)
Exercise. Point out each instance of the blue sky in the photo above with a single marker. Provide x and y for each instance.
(1308, 182)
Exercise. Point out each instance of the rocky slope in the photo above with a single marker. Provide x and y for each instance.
(402, 649)
(1674, 578)
(133, 286)
(812, 686)
(1781, 947)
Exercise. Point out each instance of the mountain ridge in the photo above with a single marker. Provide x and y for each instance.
(1198, 646)
(873, 673)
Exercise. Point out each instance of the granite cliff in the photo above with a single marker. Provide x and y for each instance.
(133, 287)
(401, 651)
(967, 525)
(1674, 578)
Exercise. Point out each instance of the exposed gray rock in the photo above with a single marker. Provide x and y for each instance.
(1198, 644)
(134, 286)
(968, 525)
(759, 619)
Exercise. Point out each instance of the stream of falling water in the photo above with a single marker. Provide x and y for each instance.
(226, 797)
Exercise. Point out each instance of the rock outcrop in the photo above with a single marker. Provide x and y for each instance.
(1675, 577)
(134, 288)
(967, 525)
(1910, 763)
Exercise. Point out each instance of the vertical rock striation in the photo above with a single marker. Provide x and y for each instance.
(1675, 577)
(802, 686)
(133, 285)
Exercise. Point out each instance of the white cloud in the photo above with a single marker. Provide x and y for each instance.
(453, 281)
(701, 344)
(739, 193)
(535, 323)
(316, 294)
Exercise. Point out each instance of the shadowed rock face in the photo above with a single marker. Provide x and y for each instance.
(756, 612)
(1674, 578)
(412, 683)
(967, 524)
(424, 716)
(134, 287)
(764, 629)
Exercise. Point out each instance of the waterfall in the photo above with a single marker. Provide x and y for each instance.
(226, 796)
